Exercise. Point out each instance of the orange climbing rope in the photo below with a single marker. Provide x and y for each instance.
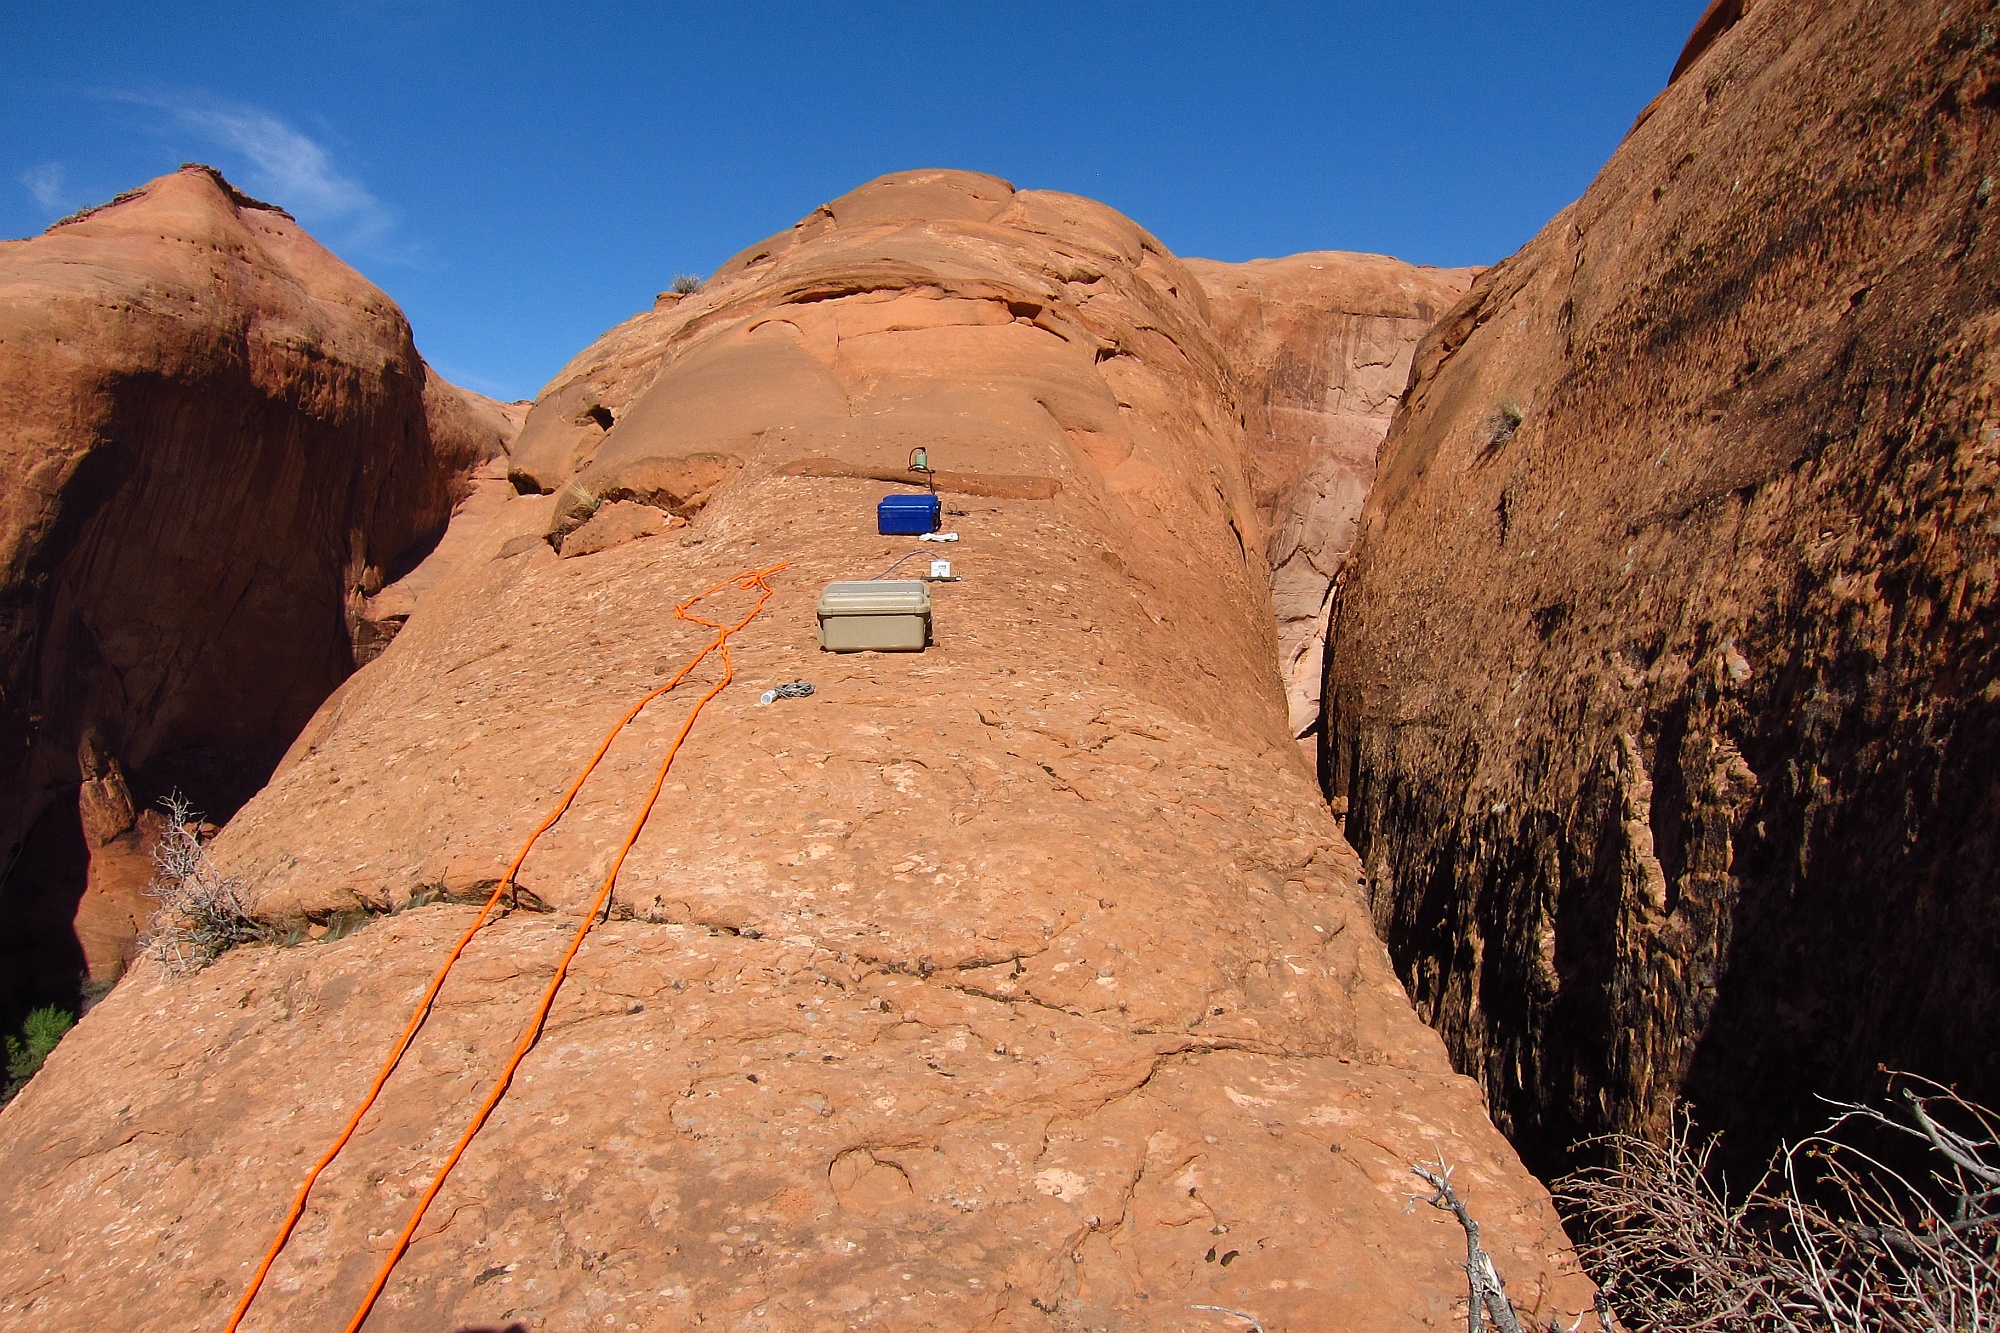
(755, 579)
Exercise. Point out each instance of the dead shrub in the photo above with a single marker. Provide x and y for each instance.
(201, 913)
(1838, 1236)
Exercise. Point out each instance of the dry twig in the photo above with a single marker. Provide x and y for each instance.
(1486, 1294)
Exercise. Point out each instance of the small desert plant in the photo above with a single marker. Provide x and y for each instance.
(40, 1032)
(1833, 1239)
(1501, 425)
(685, 284)
(202, 913)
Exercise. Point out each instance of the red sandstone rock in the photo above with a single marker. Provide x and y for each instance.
(1663, 688)
(615, 524)
(1024, 983)
(1718, 18)
(1321, 346)
(215, 438)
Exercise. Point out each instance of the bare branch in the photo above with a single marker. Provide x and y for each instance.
(201, 911)
(1833, 1239)
(1955, 1148)
(1483, 1279)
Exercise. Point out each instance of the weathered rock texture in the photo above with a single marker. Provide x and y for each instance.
(1023, 983)
(1321, 346)
(1667, 717)
(216, 440)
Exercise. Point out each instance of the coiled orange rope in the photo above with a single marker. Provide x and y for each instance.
(755, 579)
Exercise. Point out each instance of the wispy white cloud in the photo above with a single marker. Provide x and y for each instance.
(467, 379)
(270, 158)
(48, 185)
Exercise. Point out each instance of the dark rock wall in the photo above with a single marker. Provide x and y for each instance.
(1661, 688)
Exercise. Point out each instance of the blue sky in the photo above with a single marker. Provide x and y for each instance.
(521, 177)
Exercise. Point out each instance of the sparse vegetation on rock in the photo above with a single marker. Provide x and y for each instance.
(202, 913)
(1487, 1302)
(1501, 425)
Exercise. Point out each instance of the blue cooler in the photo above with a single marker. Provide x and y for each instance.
(907, 515)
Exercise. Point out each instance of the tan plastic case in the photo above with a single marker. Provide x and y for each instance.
(875, 616)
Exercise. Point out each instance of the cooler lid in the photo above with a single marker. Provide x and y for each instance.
(905, 501)
(876, 597)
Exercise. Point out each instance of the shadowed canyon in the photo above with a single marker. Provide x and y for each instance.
(1374, 715)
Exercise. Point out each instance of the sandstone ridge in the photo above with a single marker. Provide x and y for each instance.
(1021, 984)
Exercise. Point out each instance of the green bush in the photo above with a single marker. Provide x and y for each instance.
(40, 1032)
